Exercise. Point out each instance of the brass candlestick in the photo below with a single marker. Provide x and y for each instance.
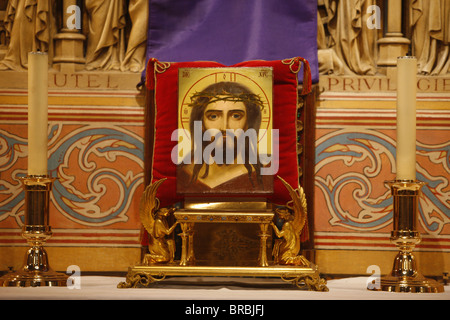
(405, 276)
(36, 270)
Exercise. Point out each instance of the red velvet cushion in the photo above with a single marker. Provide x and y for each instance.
(162, 77)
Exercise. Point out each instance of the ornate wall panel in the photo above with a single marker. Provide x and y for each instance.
(355, 155)
(95, 140)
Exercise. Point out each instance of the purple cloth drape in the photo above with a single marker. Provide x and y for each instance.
(231, 31)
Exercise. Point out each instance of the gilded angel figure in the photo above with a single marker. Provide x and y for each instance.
(161, 246)
(286, 249)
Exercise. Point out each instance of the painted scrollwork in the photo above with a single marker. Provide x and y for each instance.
(354, 197)
(89, 189)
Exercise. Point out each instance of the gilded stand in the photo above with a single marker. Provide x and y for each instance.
(159, 262)
(405, 276)
(36, 270)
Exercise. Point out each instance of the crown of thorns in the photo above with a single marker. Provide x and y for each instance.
(199, 97)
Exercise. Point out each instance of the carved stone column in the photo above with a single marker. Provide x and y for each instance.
(393, 44)
(69, 56)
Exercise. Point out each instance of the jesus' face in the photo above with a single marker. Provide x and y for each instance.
(226, 115)
(223, 115)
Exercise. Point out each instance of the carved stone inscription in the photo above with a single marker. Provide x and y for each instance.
(84, 80)
(436, 84)
(75, 81)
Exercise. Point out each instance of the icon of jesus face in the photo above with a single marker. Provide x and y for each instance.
(231, 112)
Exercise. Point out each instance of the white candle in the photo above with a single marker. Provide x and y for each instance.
(37, 113)
(406, 118)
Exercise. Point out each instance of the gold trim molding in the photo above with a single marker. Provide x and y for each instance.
(141, 276)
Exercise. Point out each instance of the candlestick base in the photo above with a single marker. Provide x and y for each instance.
(405, 276)
(36, 270)
(34, 278)
(417, 284)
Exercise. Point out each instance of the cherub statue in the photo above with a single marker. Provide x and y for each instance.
(286, 249)
(161, 247)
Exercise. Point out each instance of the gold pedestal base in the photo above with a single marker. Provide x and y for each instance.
(417, 284)
(35, 272)
(405, 276)
(26, 278)
(307, 278)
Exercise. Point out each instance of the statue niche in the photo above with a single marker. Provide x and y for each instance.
(114, 34)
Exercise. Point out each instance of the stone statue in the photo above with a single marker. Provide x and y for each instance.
(30, 26)
(329, 62)
(134, 60)
(430, 24)
(346, 45)
(105, 34)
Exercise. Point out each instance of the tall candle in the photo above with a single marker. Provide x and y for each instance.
(406, 117)
(37, 113)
